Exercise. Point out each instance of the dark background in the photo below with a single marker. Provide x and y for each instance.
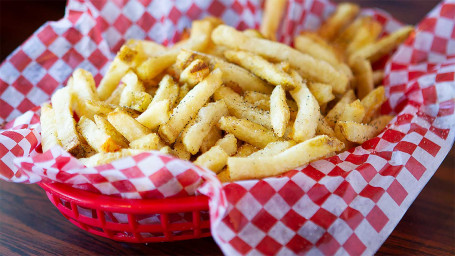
(30, 225)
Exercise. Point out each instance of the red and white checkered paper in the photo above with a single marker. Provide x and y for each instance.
(344, 205)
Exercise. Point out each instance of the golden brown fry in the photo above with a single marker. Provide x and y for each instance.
(372, 102)
(246, 150)
(83, 86)
(168, 89)
(346, 36)
(378, 76)
(261, 68)
(207, 117)
(116, 94)
(380, 122)
(324, 128)
(253, 33)
(155, 115)
(150, 141)
(363, 76)
(273, 148)
(354, 111)
(357, 132)
(228, 143)
(194, 73)
(242, 109)
(279, 111)
(224, 175)
(375, 51)
(334, 114)
(214, 159)
(107, 128)
(211, 139)
(96, 138)
(190, 105)
(344, 14)
(273, 11)
(117, 69)
(252, 133)
(365, 35)
(322, 92)
(127, 125)
(104, 158)
(306, 121)
(298, 155)
(306, 65)
(48, 127)
(66, 125)
(312, 44)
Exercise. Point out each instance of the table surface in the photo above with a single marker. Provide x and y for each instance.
(30, 225)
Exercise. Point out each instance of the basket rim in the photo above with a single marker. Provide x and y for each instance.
(120, 205)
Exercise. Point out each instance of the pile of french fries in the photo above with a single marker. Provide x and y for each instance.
(235, 102)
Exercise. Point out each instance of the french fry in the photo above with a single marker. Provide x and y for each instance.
(298, 155)
(150, 141)
(372, 102)
(252, 133)
(214, 159)
(207, 117)
(83, 87)
(117, 69)
(365, 35)
(306, 65)
(211, 139)
(312, 44)
(273, 148)
(378, 76)
(260, 100)
(364, 76)
(156, 114)
(333, 115)
(224, 175)
(242, 109)
(322, 92)
(253, 33)
(116, 94)
(96, 138)
(381, 122)
(306, 121)
(103, 108)
(66, 125)
(347, 35)
(133, 96)
(194, 73)
(354, 111)
(324, 128)
(184, 89)
(180, 150)
(279, 111)
(232, 74)
(357, 132)
(344, 14)
(273, 11)
(376, 50)
(261, 68)
(246, 150)
(127, 125)
(168, 89)
(228, 143)
(146, 47)
(48, 128)
(104, 158)
(167, 150)
(108, 129)
(189, 105)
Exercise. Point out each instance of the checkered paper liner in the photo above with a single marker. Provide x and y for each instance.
(344, 205)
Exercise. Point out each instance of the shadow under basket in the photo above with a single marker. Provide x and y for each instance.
(132, 220)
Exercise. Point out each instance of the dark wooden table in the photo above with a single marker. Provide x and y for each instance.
(30, 225)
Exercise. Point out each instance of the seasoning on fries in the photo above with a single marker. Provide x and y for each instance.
(237, 103)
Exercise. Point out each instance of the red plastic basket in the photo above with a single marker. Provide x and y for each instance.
(132, 220)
